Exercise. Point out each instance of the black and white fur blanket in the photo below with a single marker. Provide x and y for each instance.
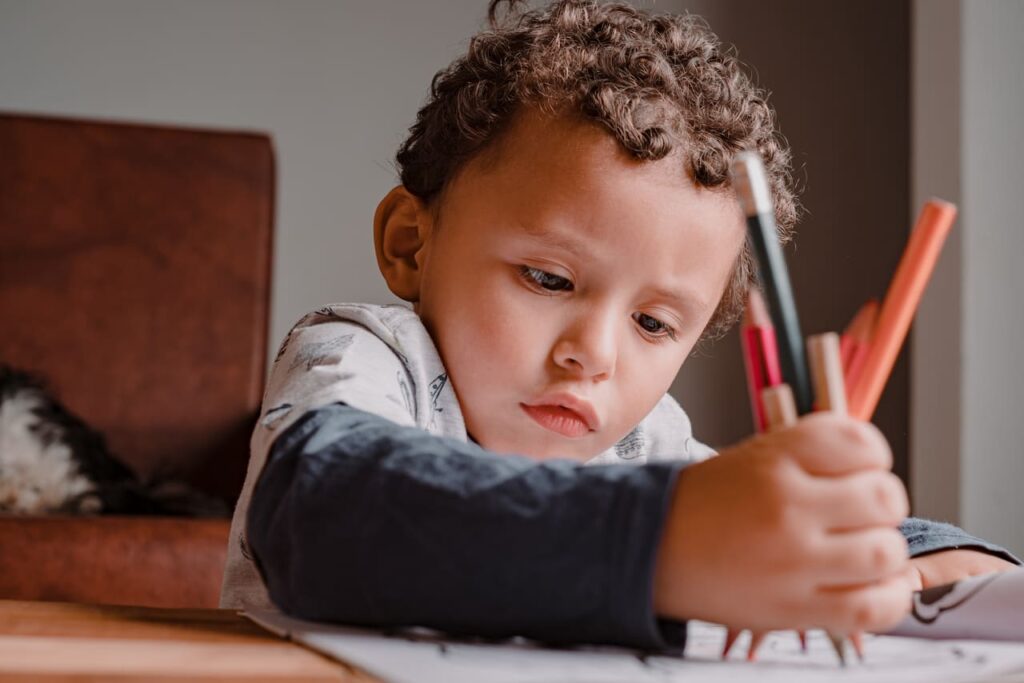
(51, 462)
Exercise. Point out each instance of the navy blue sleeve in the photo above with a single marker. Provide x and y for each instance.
(925, 536)
(358, 520)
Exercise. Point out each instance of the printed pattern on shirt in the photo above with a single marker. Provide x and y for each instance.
(320, 353)
(381, 359)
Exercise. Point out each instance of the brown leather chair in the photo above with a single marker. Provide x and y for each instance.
(135, 277)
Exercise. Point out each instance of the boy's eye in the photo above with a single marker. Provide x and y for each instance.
(653, 327)
(545, 280)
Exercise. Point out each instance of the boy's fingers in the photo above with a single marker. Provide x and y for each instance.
(832, 445)
(859, 501)
(874, 608)
(861, 557)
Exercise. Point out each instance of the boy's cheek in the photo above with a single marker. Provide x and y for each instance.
(947, 566)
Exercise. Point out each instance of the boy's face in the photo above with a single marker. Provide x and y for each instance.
(565, 283)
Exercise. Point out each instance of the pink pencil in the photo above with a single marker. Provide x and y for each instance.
(760, 354)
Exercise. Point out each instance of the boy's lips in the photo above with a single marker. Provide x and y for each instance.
(563, 414)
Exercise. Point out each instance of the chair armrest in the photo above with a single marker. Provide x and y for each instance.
(149, 561)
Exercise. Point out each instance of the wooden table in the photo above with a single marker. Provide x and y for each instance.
(50, 641)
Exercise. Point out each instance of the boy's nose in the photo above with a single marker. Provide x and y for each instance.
(588, 348)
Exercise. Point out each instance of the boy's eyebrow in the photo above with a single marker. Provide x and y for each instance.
(553, 238)
(684, 298)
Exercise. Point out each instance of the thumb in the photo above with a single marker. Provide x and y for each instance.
(827, 444)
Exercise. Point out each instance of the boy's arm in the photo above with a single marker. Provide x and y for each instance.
(356, 519)
(925, 537)
(943, 553)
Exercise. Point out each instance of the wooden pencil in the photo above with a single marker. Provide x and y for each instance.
(760, 355)
(823, 356)
(779, 406)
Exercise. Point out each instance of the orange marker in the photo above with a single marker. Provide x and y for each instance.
(912, 274)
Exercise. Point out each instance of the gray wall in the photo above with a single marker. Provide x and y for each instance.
(335, 83)
(992, 149)
(936, 343)
(968, 385)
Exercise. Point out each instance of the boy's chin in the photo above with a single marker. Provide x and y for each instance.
(561, 455)
(562, 449)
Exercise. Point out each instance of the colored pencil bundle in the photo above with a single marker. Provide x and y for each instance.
(848, 374)
(872, 341)
(794, 387)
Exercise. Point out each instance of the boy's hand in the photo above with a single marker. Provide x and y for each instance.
(792, 529)
(947, 566)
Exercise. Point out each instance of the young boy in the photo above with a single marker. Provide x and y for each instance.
(503, 459)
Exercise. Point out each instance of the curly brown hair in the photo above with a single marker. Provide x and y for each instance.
(658, 83)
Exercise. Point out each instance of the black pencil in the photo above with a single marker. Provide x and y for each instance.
(751, 187)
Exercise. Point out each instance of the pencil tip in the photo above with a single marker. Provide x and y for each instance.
(730, 639)
(941, 203)
(837, 645)
(858, 646)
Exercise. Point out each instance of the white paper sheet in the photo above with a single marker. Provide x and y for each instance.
(421, 658)
(989, 607)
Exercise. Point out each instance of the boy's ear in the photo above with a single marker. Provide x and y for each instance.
(401, 227)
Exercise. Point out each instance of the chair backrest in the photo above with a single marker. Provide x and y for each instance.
(135, 268)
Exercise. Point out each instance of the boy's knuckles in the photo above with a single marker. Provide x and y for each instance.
(867, 614)
(783, 510)
(881, 498)
(801, 539)
(889, 498)
(865, 439)
(874, 607)
(887, 555)
(886, 607)
(782, 474)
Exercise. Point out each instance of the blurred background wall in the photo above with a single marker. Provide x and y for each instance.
(885, 102)
(968, 387)
(839, 80)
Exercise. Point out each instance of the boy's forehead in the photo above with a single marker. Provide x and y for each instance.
(546, 159)
(561, 177)
(539, 141)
